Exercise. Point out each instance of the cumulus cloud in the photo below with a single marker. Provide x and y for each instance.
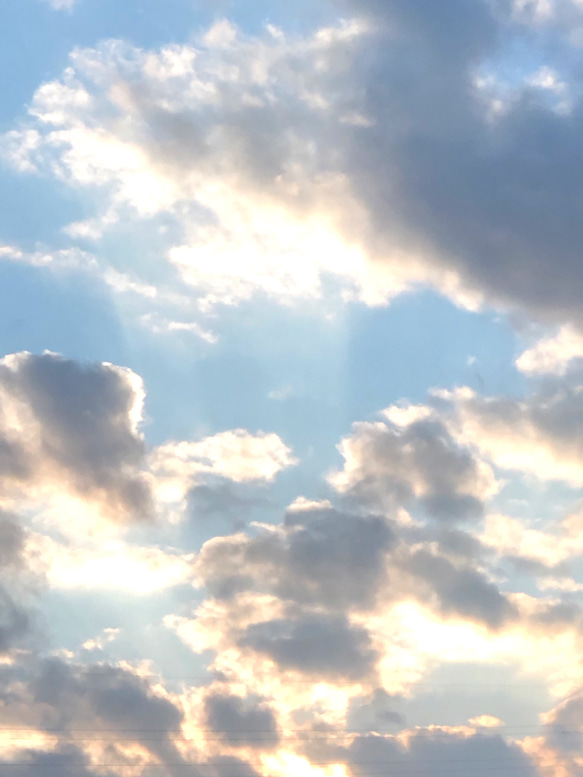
(550, 547)
(241, 721)
(89, 715)
(70, 427)
(284, 161)
(389, 464)
(221, 139)
(538, 435)
(461, 590)
(70, 436)
(553, 354)
(425, 749)
(113, 565)
(234, 456)
(19, 577)
(320, 645)
(318, 556)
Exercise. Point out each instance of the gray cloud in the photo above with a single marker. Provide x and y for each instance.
(323, 645)
(65, 762)
(11, 540)
(322, 556)
(539, 434)
(241, 721)
(429, 752)
(564, 731)
(479, 199)
(77, 428)
(106, 694)
(374, 712)
(340, 562)
(17, 582)
(388, 465)
(104, 702)
(461, 590)
(495, 200)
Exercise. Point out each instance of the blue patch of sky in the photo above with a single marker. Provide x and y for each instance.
(336, 371)
(540, 504)
(464, 690)
(71, 618)
(34, 209)
(63, 312)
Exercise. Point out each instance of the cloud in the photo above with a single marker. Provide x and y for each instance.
(272, 154)
(318, 556)
(113, 565)
(320, 645)
(461, 590)
(64, 258)
(90, 715)
(66, 426)
(235, 455)
(511, 537)
(66, 762)
(220, 139)
(391, 464)
(19, 578)
(241, 722)
(538, 435)
(426, 750)
(432, 134)
(553, 354)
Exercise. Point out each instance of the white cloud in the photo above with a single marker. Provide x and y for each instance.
(236, 455)
(511, 537)
(539, 435)
(282, 221)
(486, 721)
(287, 172)
(164, 326)
(114, 566)
(68, 258)
(552, 354)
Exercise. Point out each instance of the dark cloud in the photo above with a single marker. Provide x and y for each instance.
(564, 731)
(429, 752)
(15, 621)
(388, 465)
(322, 645)
(17, 583)
(77, 428)
(318, 556)
(337, 561)
(101, 703)
(221, 499)
(12, 537)
(114, 698)
(65, 762)
(229, 766)
(375, 712)
(241, 721)
(462, 591)
(494, 200)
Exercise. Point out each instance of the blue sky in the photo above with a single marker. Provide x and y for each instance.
(290, 387)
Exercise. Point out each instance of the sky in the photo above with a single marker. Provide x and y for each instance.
(291, 388)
